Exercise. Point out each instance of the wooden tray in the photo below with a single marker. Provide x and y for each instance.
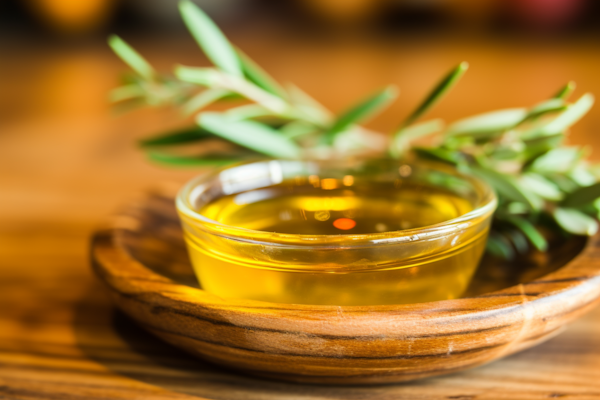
(142, 259)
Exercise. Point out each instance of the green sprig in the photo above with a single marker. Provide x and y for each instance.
(520, 152)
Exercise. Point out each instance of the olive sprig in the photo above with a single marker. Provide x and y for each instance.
(541, 182)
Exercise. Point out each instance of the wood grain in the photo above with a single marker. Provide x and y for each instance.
(66, 163)
(327, 344)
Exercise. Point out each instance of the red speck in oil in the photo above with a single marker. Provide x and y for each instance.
(344, 223)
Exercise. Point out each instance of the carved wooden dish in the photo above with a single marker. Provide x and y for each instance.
(143, 261)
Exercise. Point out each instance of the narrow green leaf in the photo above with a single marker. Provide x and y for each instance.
(458, 142)
(509, 150)
(575, 221)
(563, 182)
(232, 96)
(581, 175)
(204, 99)
(559, 160)
(436, 94)
(311, 110)
(548, 106)
(439, 154)
(247, 111)
(541, 186)
(509, 187)
(188, 135)
(256, 94)
(187, 161)
(126, 106)
(297, 128)
(199, 76)
(210, 38)
(131, 57)
(515, 207)
(518, 240)
(255, 74)
(125, 93)
(360, 112)
(131, 78)
(250, 134)
(422, 129)
(211, 77)
(499, 246)
(570, 116)
(582, 196)
(565, 91)
(492, 122)
(529, 230)
(538, 146)
(597, 207)
(404, 138)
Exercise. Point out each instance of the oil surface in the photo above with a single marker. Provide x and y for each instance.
(306, 210)
(376, 275)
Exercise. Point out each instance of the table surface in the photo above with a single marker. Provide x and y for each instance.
(66, 162)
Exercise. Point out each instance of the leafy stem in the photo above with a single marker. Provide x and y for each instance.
(520, 152)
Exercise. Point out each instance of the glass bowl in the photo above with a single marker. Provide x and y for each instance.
(355, 232)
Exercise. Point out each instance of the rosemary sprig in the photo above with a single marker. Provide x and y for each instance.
(541, 183)
(274, 121)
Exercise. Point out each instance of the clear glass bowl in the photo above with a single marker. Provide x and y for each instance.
(236, 254)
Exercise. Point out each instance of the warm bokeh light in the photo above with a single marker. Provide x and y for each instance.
(69, 160)
(343, 11)
(329, 183)
(405, 171)
(314, 180)
(348, 180)
(344, 223)
(73, 16)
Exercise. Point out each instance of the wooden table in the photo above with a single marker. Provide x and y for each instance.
(66, 163)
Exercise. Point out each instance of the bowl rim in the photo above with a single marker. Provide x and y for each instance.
(512, 318)
(487, 206)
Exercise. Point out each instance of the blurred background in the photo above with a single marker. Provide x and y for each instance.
(67, 159)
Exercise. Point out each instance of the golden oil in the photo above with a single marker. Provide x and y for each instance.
(329, 210)
(342, 255)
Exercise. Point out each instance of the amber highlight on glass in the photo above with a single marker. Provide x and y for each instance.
(336, 233)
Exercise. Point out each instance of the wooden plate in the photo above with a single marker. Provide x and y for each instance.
(142, 259)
